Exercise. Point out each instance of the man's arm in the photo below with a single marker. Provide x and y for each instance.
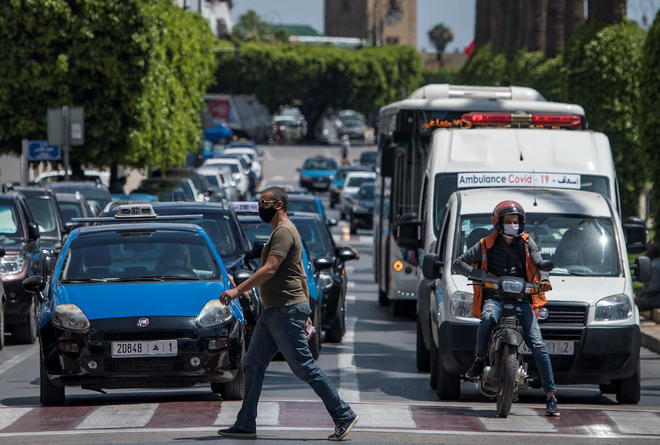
(463, 264)
(535, 253)
(263, 274)
(304, 281)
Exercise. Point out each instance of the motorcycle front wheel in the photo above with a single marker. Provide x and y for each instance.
(508, 367)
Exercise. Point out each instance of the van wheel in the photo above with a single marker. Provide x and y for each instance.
(628, 390)
(232, 390)
(49, 394)
(448, 385)
(422, 354)
(26, 333)
(382, 298)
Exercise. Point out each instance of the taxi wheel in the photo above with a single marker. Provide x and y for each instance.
(26, 333)
(49, 394)
(338, 327)
(2, 327)
(353, 226)
(233, 390)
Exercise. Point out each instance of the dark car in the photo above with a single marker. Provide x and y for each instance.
(201, 188)
(338, 183)
(94, 192)
(19, 238)
(317, 173)
(310, 204)
(362, 213)
(72, 205)
(136, 305)
(3, 300)
(168, 189)
(368, 159)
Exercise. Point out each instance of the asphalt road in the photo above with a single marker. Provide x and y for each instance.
(374, 369)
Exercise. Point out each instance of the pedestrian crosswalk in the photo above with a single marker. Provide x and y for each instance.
(374, 416)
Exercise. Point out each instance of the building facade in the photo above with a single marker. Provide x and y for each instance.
(216, 13)
(380, 22)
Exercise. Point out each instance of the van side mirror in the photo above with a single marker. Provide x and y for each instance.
(635, 232)
(642, 269)
(407, 231)
(546, 265)
(322, 263)
(33, 231)
(35, 283)
(432, 266)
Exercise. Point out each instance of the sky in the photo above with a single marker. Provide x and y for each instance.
(457, 14)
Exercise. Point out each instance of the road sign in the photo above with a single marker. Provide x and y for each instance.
(66, 126)
(42, 151)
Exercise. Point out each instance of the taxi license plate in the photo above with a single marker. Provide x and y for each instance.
(155, 348)
(555, 347)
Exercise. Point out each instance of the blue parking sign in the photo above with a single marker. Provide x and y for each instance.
(42, 151)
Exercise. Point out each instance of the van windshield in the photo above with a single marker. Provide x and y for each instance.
(447, 183)
(577, 244)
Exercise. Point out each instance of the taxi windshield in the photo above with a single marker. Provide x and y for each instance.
(320, 164)
(302, 206)
(219, 228)
(577, 244)
(315, 236)
(70, 210)
(43, 213)
(156, 255)
(357, 181)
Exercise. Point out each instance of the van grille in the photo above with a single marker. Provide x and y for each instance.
(566, 314)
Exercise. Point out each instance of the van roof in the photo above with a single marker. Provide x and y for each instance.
(445, 90)
(520, 150)
(481, 104)
(577, 202)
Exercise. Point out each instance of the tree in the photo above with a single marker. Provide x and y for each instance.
(440, 36)
(482, 24)
(607, 12)
(574, 18)
(537, 30)
(556, 29)
(251, 27)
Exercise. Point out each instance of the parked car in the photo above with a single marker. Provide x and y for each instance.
(136, 305)
(251, 153)
(337, 183)
(167, 189)
(73, 205)
(238, 172)
(354, 180)
(293, 122)
(368, 159)
(95, 176)
(309, 204)
(93, 192)
(352, 125)
(317, 172)
(19, 238)
(361, 215)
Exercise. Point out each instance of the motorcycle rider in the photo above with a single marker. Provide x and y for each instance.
(509, 251)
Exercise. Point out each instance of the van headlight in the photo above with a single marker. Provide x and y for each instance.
(325, 280)
(214, 313)
(11, 264)
(70, 317)
(614, 307)
(460, 304)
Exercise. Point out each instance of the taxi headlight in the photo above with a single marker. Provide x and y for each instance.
(614, 307)
(70, 318)
(214, 313)
(460, 304)
(325, 280)
(11, 264)
(360, 209)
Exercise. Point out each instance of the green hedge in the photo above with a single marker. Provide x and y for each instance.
(139, 67)
(319, 77)
(649, 113)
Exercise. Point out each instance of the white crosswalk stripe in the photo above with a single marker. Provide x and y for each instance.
(11, 415)
(636, 422)
(119, 416)
(268, 413)
(520, 419)
(378, 415)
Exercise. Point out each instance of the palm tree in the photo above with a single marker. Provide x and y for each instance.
(510, 25)
(440, 35)
(497, 28)
(574, 17)
(483, 23)
(608, 12)
(555, 33)
(536, 32)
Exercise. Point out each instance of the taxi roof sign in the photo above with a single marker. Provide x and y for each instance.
(135, 211)
(245, 206)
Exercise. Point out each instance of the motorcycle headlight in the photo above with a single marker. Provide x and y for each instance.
(214, 313)
(70, 318)
(513, 287)
(325, 280)
(11, 264)
(615, 307)
(460, 304)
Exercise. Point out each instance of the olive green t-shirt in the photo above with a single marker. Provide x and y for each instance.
(285, 287)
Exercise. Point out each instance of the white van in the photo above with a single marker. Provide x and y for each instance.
(238, 174)
(591, 325)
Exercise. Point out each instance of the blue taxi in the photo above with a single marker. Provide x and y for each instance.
(134, 304)
(317, 172)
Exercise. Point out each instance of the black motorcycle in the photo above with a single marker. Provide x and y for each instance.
(505, 373)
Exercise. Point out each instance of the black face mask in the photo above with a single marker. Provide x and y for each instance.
(268, 214)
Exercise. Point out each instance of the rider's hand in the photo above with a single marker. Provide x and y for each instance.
(545, 286)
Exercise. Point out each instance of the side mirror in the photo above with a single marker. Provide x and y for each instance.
(408, 235)
(431, 266)
(331, 222)
(33, 231)
(242, 275)
(635, 233)
(35, 283)
(347, 253)
(322, 263)
(546, 265)
(642, 269)
(2, 252)
(257, 247)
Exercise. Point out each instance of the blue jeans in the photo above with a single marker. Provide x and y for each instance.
(490, 316)
(282, 328)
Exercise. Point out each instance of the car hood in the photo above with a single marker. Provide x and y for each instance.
(119, 300)
(317, 173)
(366, 203)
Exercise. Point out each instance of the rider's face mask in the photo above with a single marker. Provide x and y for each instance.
(511, 229)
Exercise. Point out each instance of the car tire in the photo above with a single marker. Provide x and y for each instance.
(434, 367)
(49, 394)
(315, 341)
(26, 333)
(342, 215)
(628, 390)
(423, 356)
(382, 298)
(232, 390)
(353, 226)
(448, 385)
(607, 388)
(338, 328)
(2, 326)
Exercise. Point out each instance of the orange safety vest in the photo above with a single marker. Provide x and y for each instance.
(533, 276)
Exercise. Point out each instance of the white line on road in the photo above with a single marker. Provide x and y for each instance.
(520, 419)
(377, 415)
(11, 415)
(18, 358)
(635, 422)
(268, 413)
(350, 285)
(348, 380)
(351, 297)
(119, 416)
(268, 155)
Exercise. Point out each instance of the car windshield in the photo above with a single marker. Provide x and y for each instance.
(357, 181)
(315, 236)
(577, 244)
(302, 206)
(70, 210)
(44, 215)
(233, 166)
(10, 227)
(368, 157)
(366, 192)
(320, 164)
(220, 229)
(97, 194)
(157, 255)
(213, 180)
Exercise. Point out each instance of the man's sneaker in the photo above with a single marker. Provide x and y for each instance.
(475, 370)
(341, 431)
(551, 407)
(237, 432)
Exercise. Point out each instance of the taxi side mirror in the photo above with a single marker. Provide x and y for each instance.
(242, 275)
(347, 253)
(34, 284)
(33, 231)
(322, 263)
